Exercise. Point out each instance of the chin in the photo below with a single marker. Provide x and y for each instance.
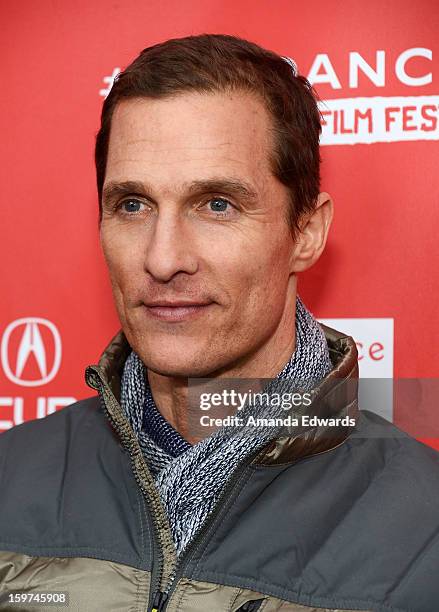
(176, 368)
(182, 365)
(175, 356)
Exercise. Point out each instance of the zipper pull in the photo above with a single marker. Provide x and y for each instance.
(250, 606)
(159, 601)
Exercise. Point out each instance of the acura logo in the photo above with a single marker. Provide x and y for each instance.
(31, 343)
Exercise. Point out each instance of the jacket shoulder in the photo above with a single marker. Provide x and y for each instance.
(42, 437)
(374, 430)
(68, 488)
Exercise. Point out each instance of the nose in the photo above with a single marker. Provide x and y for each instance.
(170, 247)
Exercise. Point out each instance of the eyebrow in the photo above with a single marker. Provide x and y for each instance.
(116, 189)
(226, 185)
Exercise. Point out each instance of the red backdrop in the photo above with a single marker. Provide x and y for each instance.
(376, 64)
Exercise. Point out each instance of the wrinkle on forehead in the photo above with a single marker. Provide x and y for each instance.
(190, 137)
(147, 141)
(221, 118)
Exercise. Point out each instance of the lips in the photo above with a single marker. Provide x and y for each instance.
(176, 311)
(174, 304)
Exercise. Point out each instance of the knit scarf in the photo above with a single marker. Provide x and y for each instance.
(190, 478)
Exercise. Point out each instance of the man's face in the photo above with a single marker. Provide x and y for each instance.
(194, 231)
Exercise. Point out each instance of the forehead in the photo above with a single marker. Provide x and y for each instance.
(190, 135)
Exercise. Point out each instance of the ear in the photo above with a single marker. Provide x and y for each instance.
(314, 231)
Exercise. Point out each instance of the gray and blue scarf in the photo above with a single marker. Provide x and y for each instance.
(190, 478)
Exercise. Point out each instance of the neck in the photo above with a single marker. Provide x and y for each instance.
(171, 394)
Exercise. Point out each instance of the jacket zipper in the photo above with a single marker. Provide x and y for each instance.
(162, 597)
(164, 554)
(161, 588)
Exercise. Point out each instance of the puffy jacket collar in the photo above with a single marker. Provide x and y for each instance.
(336, 396)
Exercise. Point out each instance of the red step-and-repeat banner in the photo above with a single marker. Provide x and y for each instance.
(375, 67)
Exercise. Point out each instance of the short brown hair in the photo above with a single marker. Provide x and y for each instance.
(216, 63)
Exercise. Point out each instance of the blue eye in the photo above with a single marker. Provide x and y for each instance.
(131, 206)
(218, 204)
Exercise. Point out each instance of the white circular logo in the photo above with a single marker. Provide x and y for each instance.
(31, 342)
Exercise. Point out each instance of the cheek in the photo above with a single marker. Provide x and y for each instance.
(268, 291)
(257, 278)
(123, 261)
